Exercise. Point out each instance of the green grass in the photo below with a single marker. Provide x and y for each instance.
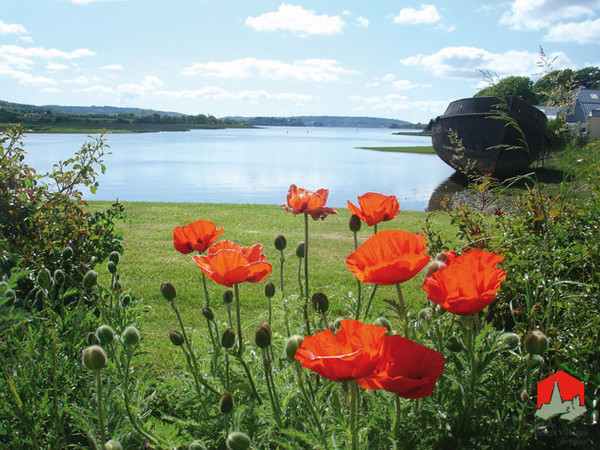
(149, 259)
(416, 149)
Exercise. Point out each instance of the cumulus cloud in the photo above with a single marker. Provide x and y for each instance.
(213, 92)
(296, 20)
(12, 28)
(426, 15)
(586, 32)
(362, 22)
(56, 67)
(14, 51)
(396, 103)
(467, 62)
(126, 91)
(316, 69)
(112, 67)
(536, 15)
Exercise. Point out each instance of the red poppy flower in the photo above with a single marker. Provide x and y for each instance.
(388, 257)
(303, 201)
(375, 208)
(406, 368)
(468, 284)
(353, 352)
(197, 236)
(227, 263)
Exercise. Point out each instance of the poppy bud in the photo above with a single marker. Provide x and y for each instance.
(535, 342)
(238, 441)
(130, 335)
(537, 360)
(94, 358)
(176, 338)
(91, 339)
(280, 242)
(59, 277)
(228, 338)
(111, 266)
(125, 300)
(67, 252)
(300, 250)
(105, 334)
(168, 291)
(262, 336)
(383, 322)
(44, 278)
(320, 302)
(197, 445)
(509, 340)
(10, 294)
(226, 403)
(425, 314)
(90, 279)
(292, 345)
(525, 395)
(270, 289)
(354, 223)
(453, 344)
(115, 257)
(40, 296)
(433, 267)
(112, 445)
(227, 297)
(208, 313)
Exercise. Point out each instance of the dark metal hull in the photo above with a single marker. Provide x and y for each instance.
(486, 144)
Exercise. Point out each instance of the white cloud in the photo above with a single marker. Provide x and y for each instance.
(126, 91)
(586, 32)
(316, 69)
(25, 78)
(297, 20)
(407, 85)
(362, 22)
(56, 67)
(12, 28)
(112, 67)
(540, 14)
(213, 92)
(8, 51)
(395, 103)
(426, 15)
(467, 62)
(87, 2)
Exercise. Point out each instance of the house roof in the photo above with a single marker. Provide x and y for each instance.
(589, 99)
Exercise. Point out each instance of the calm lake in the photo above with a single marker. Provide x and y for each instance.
(253, 165)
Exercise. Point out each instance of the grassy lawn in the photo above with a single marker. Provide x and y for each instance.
(150, 259)
(416, 149)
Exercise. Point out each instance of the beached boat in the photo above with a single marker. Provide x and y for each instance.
(473, 137)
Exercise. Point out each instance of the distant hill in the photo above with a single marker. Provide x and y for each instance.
(108, 110)
(328, 121)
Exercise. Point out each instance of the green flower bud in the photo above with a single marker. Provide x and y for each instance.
(111, 266)
(130, 335)
(535, 342)
(90, 279)
(112, 445)
(280, 242)
(168, 291)
(262, 336)
(509, 340)
(105, 334)
(10, 294)
(292, 344)
(67, 253)
(536, 360)
(92, 339)
(453, 344)
(197, 445)
(270, 289)
(227, 297)
(383, 322)
(40, 296)
(354, 223)
(208, 313)
(94, 357)
(320, 302)
(433, 267)
(300, 250)
(44, 279)
(176, 338)
(226, 403)
(59, 277)
(125, 300)
(228, 338)
(115, 257)
(238, 441)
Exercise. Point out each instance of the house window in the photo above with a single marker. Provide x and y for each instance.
(594, 96)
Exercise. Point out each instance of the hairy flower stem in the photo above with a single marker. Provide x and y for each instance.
(306, 292)
(206, 296)
(354, 394)
(402, 311)
(371, 297)
(468, 323)
(359, 299)
(522, 435)
(396, 416)
(191, 356)
(100, 406)
(281, 261)
(250, 380)
(308, 402)
(300, 277)
(271, 386)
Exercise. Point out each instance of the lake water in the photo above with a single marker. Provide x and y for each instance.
(253, 165)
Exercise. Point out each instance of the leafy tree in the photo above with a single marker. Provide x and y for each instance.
(514, 85)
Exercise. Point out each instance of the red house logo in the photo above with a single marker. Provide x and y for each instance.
(560, 394)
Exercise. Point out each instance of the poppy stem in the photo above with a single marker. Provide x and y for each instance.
(100, 407)
(353, 415)
(359, 299)
(238, 317)
(281, 261)
(305, 307)
(373, 291)
(271, 386)
(397, 415)
(205, 290)
(308, 400)
(300, 277)
(402, 310)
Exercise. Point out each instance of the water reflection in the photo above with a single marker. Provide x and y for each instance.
(456, 182)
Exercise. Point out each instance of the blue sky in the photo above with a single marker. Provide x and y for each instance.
(402, 60)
